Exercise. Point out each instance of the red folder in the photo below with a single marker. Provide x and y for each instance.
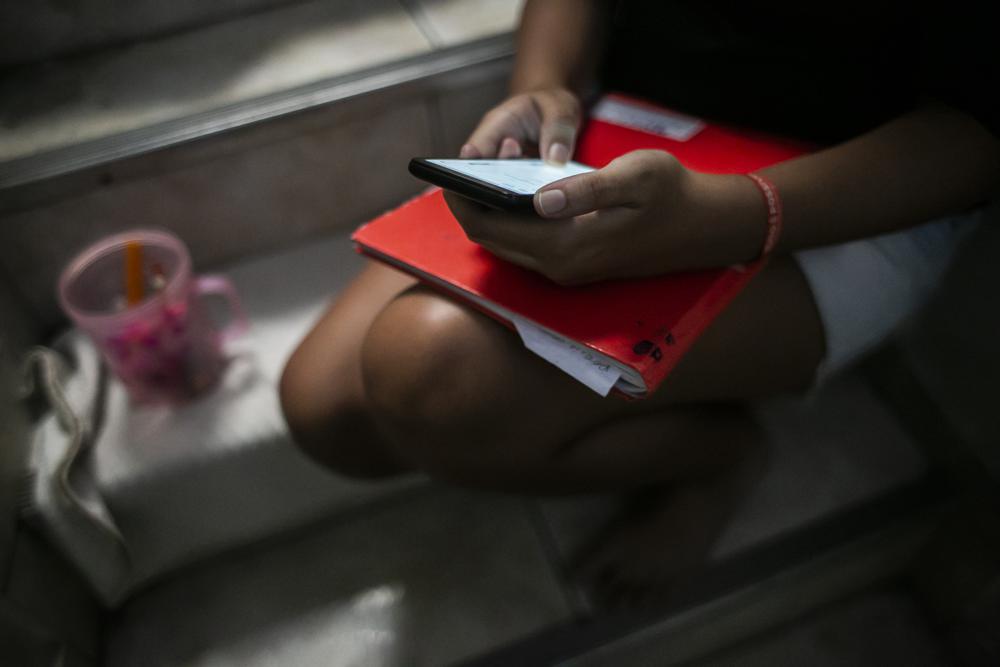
(642, 326)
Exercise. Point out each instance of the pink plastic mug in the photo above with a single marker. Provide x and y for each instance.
(165, 346)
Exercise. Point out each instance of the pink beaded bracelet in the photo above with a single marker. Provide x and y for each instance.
(774, 212)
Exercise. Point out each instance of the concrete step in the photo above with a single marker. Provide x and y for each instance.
(61, 103)
(311, 137)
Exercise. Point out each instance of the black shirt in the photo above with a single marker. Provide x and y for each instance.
(820, 71)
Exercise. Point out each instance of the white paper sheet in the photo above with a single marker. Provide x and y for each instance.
(655, 121)
(576, 360)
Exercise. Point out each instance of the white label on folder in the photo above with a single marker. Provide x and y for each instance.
(576, 360)
(648, 119)
(524, 177)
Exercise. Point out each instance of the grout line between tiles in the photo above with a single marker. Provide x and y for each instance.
(575, 597)
(415, 9)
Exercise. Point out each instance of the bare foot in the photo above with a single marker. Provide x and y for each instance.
(665, 537)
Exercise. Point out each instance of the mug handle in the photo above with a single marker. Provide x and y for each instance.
(215, 284)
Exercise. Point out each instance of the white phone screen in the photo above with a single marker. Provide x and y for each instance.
(524, 177)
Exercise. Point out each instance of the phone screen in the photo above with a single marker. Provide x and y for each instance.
(523, 177)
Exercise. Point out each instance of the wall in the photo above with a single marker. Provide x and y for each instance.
(31, 31)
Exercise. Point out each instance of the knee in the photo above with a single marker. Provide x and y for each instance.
(326, 421)
(306, 400)
(428, 375)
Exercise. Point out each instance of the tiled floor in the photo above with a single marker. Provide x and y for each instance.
(435, 577)
(432, 575)
(65, 102)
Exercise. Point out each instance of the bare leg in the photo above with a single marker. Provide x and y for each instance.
(455, 394)
(459, 396)
(461, 399)
(768, 341)
(321, 392)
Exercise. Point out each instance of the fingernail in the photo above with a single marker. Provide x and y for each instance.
(551, 201)
(468, 151)
(558, 153)
(509, 148)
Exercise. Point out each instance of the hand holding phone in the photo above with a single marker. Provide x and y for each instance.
(509, 185)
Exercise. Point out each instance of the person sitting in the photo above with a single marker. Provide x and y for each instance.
(397, 377)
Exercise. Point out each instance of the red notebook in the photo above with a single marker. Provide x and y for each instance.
(635, 329)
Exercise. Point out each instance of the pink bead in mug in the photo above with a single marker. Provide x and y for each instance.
(164, 347)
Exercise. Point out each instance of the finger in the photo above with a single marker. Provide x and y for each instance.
(560, 120)
(604, 188)
(469, 152)
(485, 140)
(513, 118)
(510, 148)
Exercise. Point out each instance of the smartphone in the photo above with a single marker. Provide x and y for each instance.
(509, 185)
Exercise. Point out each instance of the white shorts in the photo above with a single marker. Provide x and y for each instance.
(866, 289)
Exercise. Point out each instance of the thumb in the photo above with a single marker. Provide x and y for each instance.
(583, 193)
(560, 120)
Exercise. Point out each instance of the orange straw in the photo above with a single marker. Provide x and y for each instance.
(134, 286)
